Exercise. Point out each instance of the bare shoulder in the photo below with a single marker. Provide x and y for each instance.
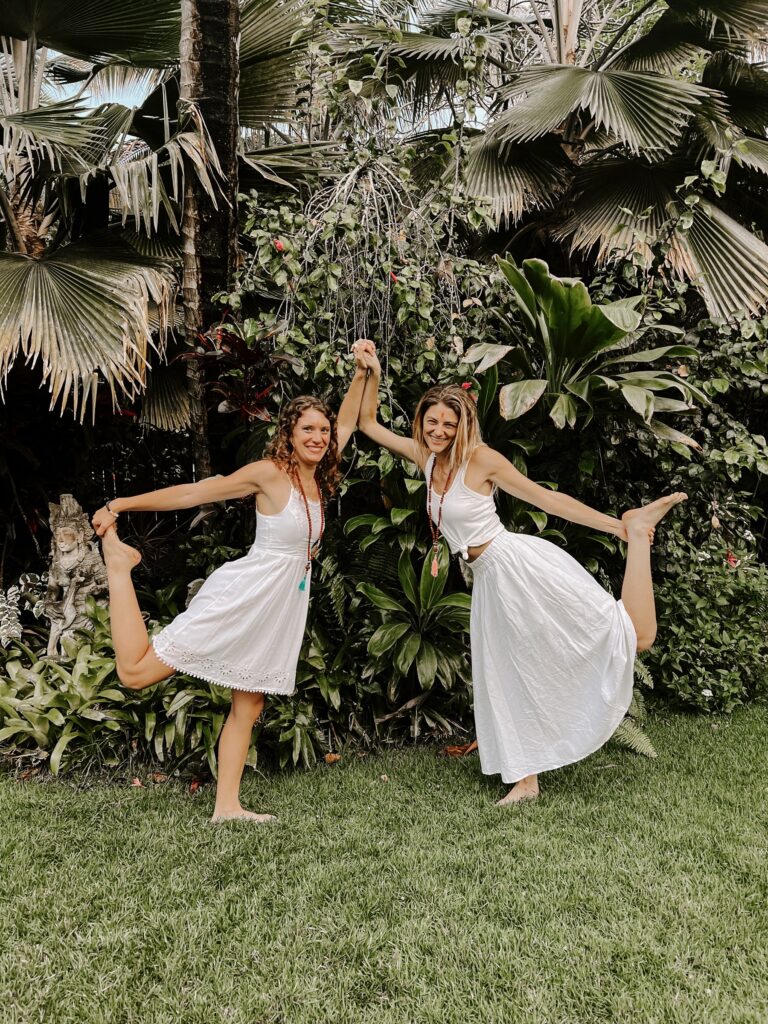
(485, 459)
(267, 474)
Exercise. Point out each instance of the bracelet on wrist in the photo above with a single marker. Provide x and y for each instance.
(114, 514)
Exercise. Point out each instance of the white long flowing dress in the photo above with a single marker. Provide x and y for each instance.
(243, 629)
(552, 651)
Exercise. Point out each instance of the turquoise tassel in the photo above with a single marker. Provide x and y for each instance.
(303, 584)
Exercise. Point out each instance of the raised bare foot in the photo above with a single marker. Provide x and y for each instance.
(240, 814)
(644, 519)
(116, 554)
(522, 791)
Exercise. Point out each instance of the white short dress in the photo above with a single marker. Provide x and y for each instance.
(243, 629)
(552, 651)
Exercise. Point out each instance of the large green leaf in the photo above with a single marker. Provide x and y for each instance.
(644, 111)
(517, 399)
(83, 312)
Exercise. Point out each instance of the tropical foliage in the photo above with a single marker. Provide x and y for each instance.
(581, 121)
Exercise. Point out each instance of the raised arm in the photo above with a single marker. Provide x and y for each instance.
(370, 426)
(502, 473)
(346, 421)
(248, 480)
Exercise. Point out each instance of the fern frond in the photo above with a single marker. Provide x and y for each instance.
(631, 736)
(642, 674)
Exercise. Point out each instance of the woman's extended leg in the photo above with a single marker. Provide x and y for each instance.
(636, 596)
(637, 589)
(137, 664)
(233, 750)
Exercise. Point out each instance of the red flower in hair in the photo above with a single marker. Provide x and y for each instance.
(467, 385)
(278, 245)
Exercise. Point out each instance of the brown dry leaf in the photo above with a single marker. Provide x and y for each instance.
(332, 758)
(384, 778)
(137, 782)
(158, 777)
(682, 370)
(194, 785)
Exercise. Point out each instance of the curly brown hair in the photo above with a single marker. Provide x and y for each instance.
(280, 448)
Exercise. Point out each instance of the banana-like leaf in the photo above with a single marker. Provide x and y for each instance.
(144, 32)
(646, 112)
(485, 354)
(82, 311)
(516, 399)
(517, 177)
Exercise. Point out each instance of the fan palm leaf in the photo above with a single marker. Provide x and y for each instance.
(273, 43)
(82, 311)
(516, 177)
(100, 31)
(646, 112)
(618, 204)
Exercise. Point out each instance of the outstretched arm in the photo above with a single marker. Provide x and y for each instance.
(370, 426)
(346, 421)
(502, 473)
(248, 480)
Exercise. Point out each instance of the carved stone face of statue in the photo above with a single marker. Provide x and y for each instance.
(68, 539)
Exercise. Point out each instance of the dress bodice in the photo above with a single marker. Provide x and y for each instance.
(469, 518)
(287, 531)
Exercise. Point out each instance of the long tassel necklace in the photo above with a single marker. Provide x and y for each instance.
(435, 529)
(312, 548)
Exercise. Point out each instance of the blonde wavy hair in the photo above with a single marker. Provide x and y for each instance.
(280, 448)
(468, 435)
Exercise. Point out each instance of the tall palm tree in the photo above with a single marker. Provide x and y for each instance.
(92, 188)
(593, 113)
(78, 291)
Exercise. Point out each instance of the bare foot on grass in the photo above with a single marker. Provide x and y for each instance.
(240, 814)
(523, 791)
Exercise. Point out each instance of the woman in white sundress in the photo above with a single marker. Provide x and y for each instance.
(244, 627)
(552, 651)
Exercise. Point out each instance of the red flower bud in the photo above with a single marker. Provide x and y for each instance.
(393, 275)
(467, 385)
(278, 245)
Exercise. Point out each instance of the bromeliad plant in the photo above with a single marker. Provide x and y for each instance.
(419, 641)
(577, 355)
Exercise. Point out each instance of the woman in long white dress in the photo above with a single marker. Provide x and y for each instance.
(552, 651)
(244, 627)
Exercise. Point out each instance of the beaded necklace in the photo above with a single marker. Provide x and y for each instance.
(435, 529)
(312, 549)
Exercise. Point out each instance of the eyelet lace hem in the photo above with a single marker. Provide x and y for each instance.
(221, 673)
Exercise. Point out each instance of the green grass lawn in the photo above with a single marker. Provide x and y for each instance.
(635, 891)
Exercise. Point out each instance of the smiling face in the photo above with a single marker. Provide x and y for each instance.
(440, 425)
(311, 436)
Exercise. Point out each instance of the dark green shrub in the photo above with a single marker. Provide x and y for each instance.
(712, 648)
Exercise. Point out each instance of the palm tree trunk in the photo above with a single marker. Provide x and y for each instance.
(209, 78)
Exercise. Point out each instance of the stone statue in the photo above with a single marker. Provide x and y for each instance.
(76, 571)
